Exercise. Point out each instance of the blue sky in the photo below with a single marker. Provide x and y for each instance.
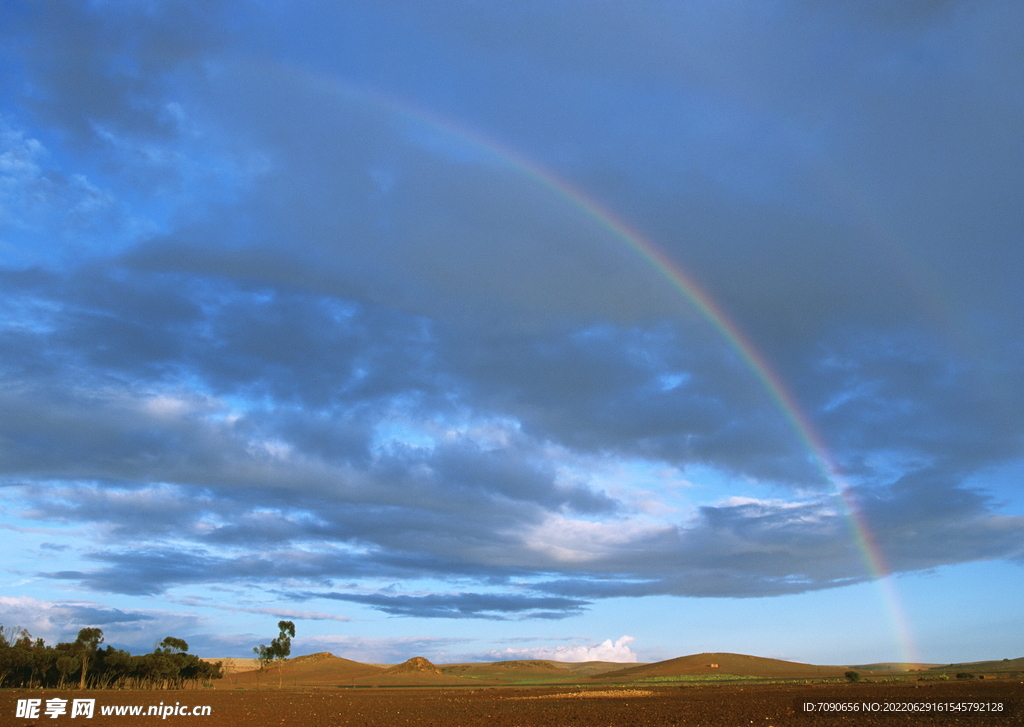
(298, 323)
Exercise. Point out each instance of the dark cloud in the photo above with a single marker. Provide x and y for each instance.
(139, 574)
(746, 549)
(309, 465)
(653, 391)
(95, 69)
(100, 616)
(158, 567)
(464, 605)
(753, 549)
(54, 546)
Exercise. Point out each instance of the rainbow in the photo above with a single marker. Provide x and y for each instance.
(681, 281)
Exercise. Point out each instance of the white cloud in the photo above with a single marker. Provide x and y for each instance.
(568, 540)
(607, 650)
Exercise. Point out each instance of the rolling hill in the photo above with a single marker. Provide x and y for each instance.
(320, 669)
(326, 670)
(740, 665)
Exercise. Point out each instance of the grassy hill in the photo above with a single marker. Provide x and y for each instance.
(1008, 665)
(723, 665)
(322, 669)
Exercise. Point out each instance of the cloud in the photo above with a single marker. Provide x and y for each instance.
(86, 90)
(61, 216)
(751, 548)
(497, 606)
(607, 650)
(59, 621)
(54, 546)
(47, 616)
(284, 613)
(350, 365)
(740, 548)
(286, 328)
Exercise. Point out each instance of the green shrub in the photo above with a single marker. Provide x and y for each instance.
(852, 676)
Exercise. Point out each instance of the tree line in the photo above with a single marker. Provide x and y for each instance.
(29, 663)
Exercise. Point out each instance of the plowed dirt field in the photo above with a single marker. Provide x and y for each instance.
(769, 705)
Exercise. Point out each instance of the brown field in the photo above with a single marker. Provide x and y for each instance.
(705, 705)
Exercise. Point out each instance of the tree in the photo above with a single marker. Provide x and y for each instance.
(8, 636)
(26, 662)
(115, 666)
(171, 645)
(282, 646)
(158, 669)
(65, 665)
(264, 654)
(279, 648)
(283, 643)
(852, 676)
(86, 643)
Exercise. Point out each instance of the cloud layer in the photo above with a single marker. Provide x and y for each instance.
(282, 312)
